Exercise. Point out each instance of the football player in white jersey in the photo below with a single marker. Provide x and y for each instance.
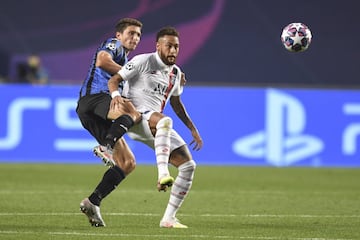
(151, 80)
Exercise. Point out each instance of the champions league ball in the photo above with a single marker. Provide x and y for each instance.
(296, 37)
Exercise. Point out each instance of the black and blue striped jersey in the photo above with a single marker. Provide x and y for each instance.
(97, 79)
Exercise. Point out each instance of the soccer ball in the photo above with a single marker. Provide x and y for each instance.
(296, 37)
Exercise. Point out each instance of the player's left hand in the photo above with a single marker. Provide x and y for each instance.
(197, 141)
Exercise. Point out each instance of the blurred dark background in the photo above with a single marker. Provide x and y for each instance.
(223, 42)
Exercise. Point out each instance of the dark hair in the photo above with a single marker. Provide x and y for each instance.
(167, 31)
(122, 24)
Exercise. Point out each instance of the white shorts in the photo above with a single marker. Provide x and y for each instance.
(141, 132)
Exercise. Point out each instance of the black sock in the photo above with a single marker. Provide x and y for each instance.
(118, 128)
(112, 177)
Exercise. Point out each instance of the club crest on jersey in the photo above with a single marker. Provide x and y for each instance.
(111, 46)
(129, 66)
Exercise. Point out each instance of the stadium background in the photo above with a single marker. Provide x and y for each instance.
(224, 43)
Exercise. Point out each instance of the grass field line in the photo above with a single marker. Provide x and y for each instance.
(185, 215)
(265, 192)
(163, 236)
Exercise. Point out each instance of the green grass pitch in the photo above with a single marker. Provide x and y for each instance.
(41, 201)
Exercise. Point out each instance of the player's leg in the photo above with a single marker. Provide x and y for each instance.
(92, 111)
(125, 164)
(117, 129)
(124, 157)
(124, 117)
(162, 127)
(182, 159)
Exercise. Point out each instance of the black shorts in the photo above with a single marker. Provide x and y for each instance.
(92, 111)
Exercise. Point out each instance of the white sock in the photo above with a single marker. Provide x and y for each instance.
(162, 146)
(180, 188)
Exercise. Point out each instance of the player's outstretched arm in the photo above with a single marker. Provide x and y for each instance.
(181, 112)
(118, 105)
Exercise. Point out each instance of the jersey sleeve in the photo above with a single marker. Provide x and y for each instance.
(178, 88)
(131, 68)
(112, 46)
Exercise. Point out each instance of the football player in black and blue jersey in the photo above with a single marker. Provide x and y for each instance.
(108, 125)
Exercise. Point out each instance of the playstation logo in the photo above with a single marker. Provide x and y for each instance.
(283, 142)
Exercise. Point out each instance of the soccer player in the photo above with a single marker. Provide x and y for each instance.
(151, 80)
(93, 109)
(104, 124)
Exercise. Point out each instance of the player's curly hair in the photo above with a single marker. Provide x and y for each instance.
(122, 24)
(167, 31)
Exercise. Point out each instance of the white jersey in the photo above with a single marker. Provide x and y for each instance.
(149, 83)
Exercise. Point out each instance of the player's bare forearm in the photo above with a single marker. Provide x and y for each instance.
(119, 105)
(180, 111)
(113, 83)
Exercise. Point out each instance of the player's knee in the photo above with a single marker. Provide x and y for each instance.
(165, 122)
(127, 164)
(130, 165)
(136, 116)
(188, 166)
(131, 111)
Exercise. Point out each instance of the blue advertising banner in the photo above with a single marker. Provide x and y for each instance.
(239, 126)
